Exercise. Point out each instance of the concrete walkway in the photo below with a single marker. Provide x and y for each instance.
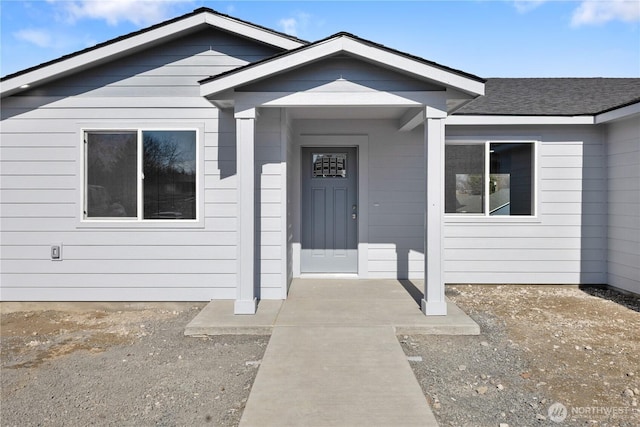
(333, 358)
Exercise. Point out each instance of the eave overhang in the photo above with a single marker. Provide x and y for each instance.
(501, 120)
(143, 39)
(342, 43)
(619, 113)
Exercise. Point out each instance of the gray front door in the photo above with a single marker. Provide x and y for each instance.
(329, 210)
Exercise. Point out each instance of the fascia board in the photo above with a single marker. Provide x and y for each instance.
(88, 59)
(251, 32)
(122, 47)
(518, 120)
(619, 113)
(342, 44)
(419, 69)
(269, 68)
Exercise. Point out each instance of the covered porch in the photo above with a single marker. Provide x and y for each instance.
(329, 95)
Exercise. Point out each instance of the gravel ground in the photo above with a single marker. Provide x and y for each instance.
(126, 365)
(122, 368)
(538, 346)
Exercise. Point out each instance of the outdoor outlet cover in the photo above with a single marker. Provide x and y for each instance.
(56, 252)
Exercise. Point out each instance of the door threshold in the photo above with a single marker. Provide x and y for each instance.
(329, 276)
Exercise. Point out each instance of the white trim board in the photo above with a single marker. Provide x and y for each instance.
(519, 120)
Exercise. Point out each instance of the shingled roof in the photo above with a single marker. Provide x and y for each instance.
(553, 96)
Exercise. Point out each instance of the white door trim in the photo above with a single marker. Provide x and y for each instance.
(346, 140)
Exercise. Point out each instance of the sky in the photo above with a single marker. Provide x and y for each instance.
(488, 38)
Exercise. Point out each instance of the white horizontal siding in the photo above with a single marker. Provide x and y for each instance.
(623, 166)
(39, 181)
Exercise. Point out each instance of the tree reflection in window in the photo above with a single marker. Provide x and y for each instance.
(169, 167)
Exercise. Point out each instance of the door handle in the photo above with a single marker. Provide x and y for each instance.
(354, 216)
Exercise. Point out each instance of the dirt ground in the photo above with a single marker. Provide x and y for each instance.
(93, 364)
(538, 345)
(120, 365)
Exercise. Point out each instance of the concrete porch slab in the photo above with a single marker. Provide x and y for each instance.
(217, 318)
(337, 302)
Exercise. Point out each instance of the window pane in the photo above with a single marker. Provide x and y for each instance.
(111, 174)
(464, 178)
(329, 165)
(169, 174)
(511, 179)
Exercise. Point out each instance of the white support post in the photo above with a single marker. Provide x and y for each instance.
(434, 303)
(246, 302)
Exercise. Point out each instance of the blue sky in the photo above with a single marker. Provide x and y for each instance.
(524, 38)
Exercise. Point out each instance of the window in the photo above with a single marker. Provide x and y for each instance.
(329, 165)
(141, 174)
(491, 178)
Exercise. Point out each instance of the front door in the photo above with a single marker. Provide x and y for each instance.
(329, 210)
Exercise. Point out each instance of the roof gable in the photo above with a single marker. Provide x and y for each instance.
(140, 40)
(340, 70)
(345, 44)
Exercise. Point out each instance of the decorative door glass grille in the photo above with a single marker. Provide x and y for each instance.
(329, 165)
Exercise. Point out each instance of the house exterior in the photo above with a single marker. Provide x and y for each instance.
(209, 158)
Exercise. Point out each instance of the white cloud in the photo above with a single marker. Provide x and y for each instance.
(294, 24)
(58, 41)
(592, 12)
(524, 6)
(289, 26)
(40, 38)
(138, 12)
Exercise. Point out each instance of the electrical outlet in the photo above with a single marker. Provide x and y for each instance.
(56, 252)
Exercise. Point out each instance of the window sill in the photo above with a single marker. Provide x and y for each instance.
(481, 219)
(127, 225)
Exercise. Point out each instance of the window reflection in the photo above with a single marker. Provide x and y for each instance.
(169, 174)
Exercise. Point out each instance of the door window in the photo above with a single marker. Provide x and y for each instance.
(329, 165)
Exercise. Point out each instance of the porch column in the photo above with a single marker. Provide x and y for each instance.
(246, 302)
(434, 303)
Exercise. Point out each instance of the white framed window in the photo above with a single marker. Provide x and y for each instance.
(141, 175)
(490, 178)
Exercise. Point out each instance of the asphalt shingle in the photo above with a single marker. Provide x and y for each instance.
(553, 96)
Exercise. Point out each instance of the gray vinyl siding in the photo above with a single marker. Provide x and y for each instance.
(339, 72)
(288, 129)
(623, 192)
(396, 181)
(41, 177)
(270, 235)
(172, 69)
(566, 242)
